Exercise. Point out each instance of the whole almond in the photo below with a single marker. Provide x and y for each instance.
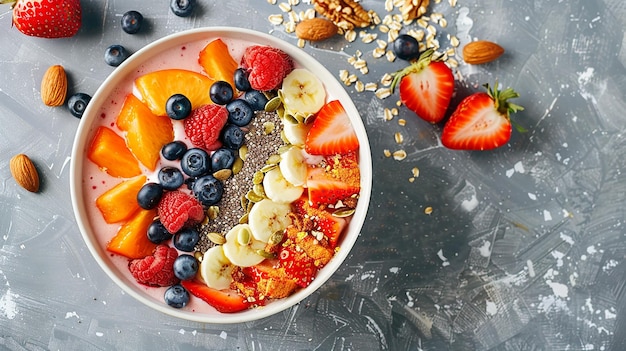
(482, 51)
(24, 172)
(316, 29)
(54, 86)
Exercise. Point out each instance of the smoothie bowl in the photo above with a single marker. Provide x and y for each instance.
(220, 175)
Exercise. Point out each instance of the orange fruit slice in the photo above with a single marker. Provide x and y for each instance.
(109, 151)
(131, 240)
(120, 202)
(146, 133)
(217, 62)
(156, 87)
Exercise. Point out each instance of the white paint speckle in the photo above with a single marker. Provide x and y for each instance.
(223, 335)
(443, 258)
(519, 167)
(532, 196)
(394, 270)
(485, 250)
(99, 334)
(591, 250)
(181, 331)
(609, 314)
(71, 314)
(492, 308)
(547, 216)
(559, 257)
(568, 239)
(8, 307)
(471, 204)
(531, 268)
(559, 290)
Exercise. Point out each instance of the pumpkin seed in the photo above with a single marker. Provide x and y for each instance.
(276, 237)
(216, 238)
(273, 159)
(273, 104)
(213, 212)
(223, 174)
(284, 148)
(289, 118)
(198, 255)
(243, 236)
(308, 119)
(265, 254)
(268, 168)
(243, 152)
(237, 165)
(254, 197)
(243, 219)
(344, 212)
(259, 190)
(268, 128)
(257, 177)
(244, 201)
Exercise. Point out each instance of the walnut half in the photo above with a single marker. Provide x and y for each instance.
(346, 14)
(413, 9)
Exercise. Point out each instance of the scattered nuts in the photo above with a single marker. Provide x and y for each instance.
(316, 29)
(346, 14)
(54, 86)
(24, 172)
(482, 51)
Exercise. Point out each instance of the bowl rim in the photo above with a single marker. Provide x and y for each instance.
(163, 44)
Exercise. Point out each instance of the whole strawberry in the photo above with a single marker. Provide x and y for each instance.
(481, 121)
(46, 18)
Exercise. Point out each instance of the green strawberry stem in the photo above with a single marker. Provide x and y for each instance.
(422, 62)
(502, 105)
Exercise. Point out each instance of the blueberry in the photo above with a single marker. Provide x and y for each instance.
(174, 150)
(149, 195)
(170, 178)
(208, 190)
(241, 80)
(114, 55)
(239, 112)
(186, 239)
(255, 99)
(232, 136)
(131, 22)
(77, 104)
(222, 158)
(178, 107)
(195, 162)
(182, 8)
(176, 296)
(185, 266)
(406, 47)
(221, 92)
(157, 232)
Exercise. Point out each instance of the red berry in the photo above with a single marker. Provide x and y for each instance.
(204, 124)
(155, 270)
(267, 66)
(47, 18)
(177, 209)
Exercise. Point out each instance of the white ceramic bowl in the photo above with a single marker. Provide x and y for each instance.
(81, 169)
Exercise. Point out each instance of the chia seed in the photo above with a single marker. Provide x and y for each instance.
(261, 146)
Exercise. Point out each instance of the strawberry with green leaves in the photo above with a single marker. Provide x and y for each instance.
(46, 18)
(481, 121)
(426, 87)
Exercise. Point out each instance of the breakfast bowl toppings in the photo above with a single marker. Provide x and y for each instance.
(223, 177)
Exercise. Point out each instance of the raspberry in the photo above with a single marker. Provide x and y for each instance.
(204, 124)
(267, 66)
(177, 209)
(155, 270)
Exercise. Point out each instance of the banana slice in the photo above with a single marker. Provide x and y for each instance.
(241, 247)
(216, 269)
(295, 133)
(303, 92)
(278, 189)
(293, 166)
(267, 217)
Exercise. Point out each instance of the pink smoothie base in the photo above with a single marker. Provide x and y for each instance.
(87, 182)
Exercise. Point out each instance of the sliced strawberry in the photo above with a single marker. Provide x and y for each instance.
(298, 266)
(336, 179)
(426, 87)
(331, 132)
(330, 225)
(225, 301)
(481, 121)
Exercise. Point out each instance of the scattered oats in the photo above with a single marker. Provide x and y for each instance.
(416, 172)
(422, 47)
(343, 75)
(352, 60)
(416, 33)
(453, 63)
(284, 6)
(398, 3)
(353, 78)
(443, 23)
(383, 93)
(388, 5)
(271, 2)
(290, 27)
(387, 153)
(375, 18)
(369, 37)
(359, 63)
(454, 41)
(359, 86)
(411, 179)
(436, 17)
(378, 52)
(309, 13)
(381, 43)
(428, 210)
(422, 22)
(294, 2)
(395, 111)
(392, 35)
(399, 155)
(371, 86)
(350, 35)
(387, 114)
(383, 28)
(398, 137)
(450, 52)
(364, 70)
(431, 29)
(391, 56)
(386, 79)
(402, 122)
(301, 42)
(452, 3)
(276, 19)
(397, 26)
(293, 16)
(398, 103)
